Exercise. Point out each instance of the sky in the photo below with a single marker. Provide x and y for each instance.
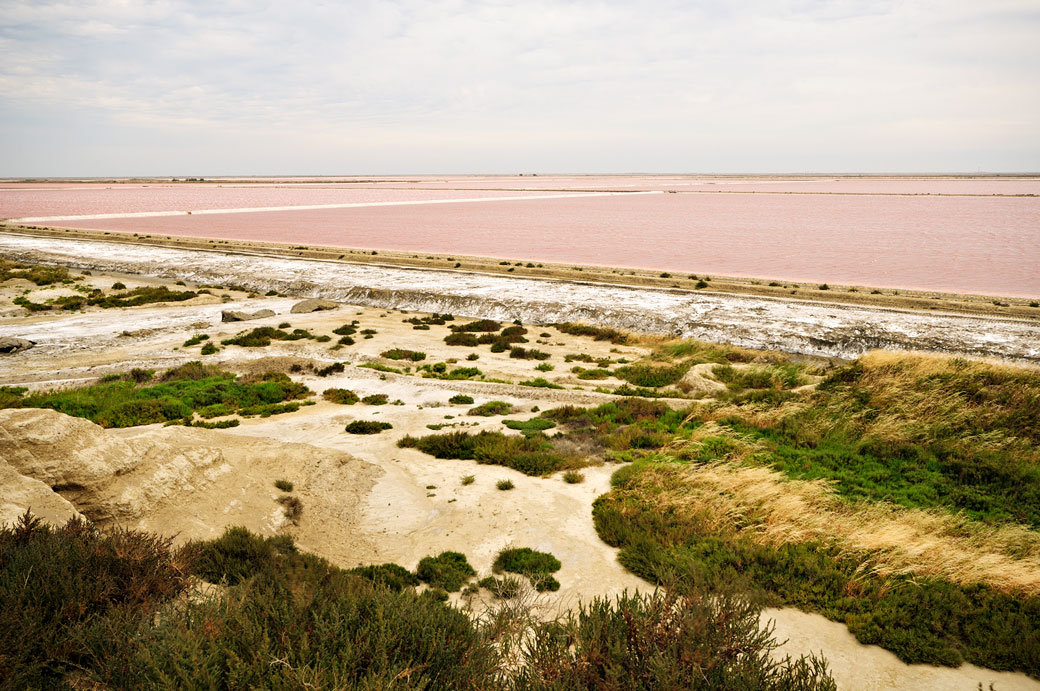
(179, 87)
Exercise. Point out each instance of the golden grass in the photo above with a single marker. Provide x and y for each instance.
(887, 539)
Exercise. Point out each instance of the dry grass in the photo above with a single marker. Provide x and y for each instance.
(888, 539)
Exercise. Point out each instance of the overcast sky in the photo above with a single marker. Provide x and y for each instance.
(96, 87)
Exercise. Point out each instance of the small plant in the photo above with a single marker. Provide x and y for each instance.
(504, 588)
(448, 571)
(573, 477)
(403, 354)
(476, 356)
(285, 325)
(537, 566)
(284, 485)
(367, 427)
(491, 408)
(700, 285)
(468, 479)
(504, 485)
(195, 340)
(292, 508)
(342, 396)
(545, 367)
(461, 399)
(540, 383)
(334, 368)
(376, 399)
(118, 285)
(824, 286)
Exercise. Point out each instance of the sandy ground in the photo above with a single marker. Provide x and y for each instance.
(364, 499)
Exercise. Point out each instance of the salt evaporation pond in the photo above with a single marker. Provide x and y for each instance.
(971, 235)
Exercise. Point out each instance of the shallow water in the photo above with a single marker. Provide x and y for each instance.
(957, 235)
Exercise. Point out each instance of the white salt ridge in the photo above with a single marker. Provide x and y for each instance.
(789, 325)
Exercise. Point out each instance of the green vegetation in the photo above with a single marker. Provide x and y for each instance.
(460, 399)
(381, 368)
(651, 375)
(545, 367)
(540, 383)
(181, 392)
(917, 431)
(537, 566)
(504, 588)
(284, 485)
(342, 396)
(468, 479)
(402, 354)
(504, 485)
(262, 336)
(573, 477)
(334, 368)
(376, 399)
(922, 620)
(593, 374)
(598, 333)
(532, 455)
(37, 273)
(528, 354)
(107, 610)
(531, 427)
(439, 370)
(208, 349)
(485, 325)
(424, 323)
(292, 508)
(347, 329)
(461, 339)
(195, 340)
(448, 570)
(97, 298)
(491, 408)
(367, 427)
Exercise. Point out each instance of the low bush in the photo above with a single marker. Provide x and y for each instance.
(537, 566)
(284, 485)
(491, 408)
(484, 325)
(37, 273)
(573, 477)
(334, 368)
(292, 508)
(540, 383)
(376, 399)
(180, 392)
(532, 455)
(504, 485)
(341, 396)
(528, 354)
(394, 577)
(448, 570)
(367, 427)
(651, 375)
(531, 427)
(195, 340)
(504, 588)
(402, 354)
(597, 333)
(461, 399)
(458, 338)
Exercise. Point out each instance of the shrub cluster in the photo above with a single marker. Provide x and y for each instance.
(367, 427)
(403, 354)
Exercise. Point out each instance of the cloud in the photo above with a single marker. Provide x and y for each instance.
(485, 86)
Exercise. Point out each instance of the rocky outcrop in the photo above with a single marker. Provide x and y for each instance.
(233, 316)
(171, 480)
(313, 305)
(14, 345)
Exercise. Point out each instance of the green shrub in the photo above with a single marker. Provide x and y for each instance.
(491, 408)
(545, 367)
(376, 399)
(209, 349)
(367, 427)
(334, 368)
(402, 354)
(37, 273)
(537, 566)
(573, 477)
(380, 367)
(461, 399)
(59, 585)
(141, 296)
(541, 383)
(597, 333)
(195, 340)
(284, 485)
(504, 485)
(448, 570)
(530, 427)
(486, 325)
(292, 508)
(347, 329)
(342, 396)
(461, 339)
(528, 354)
(651, 375)
(394, 577)
(468, 479)
(666, 640)
(593, 374)
(531, 455)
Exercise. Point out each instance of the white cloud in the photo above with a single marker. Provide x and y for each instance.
(462, 85)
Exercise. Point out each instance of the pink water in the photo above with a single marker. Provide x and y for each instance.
(960, 235)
